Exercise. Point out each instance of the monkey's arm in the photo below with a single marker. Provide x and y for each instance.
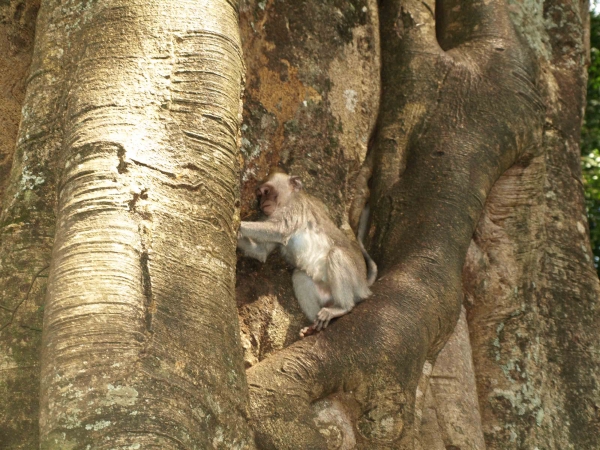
(255, 250)
(263, 232)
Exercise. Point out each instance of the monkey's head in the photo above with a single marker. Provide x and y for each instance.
(277, 191)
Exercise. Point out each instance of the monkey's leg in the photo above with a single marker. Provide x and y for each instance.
(309, 296)
(343, 276)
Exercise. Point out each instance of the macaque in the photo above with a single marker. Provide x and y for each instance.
(330, 274)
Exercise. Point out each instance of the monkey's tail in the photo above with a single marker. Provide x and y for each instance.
(360, 235)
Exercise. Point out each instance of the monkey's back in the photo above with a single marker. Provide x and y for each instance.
(314, 235)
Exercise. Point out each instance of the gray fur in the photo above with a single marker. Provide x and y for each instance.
(331, 274)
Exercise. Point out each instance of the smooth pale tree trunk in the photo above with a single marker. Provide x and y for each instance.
(131, 123)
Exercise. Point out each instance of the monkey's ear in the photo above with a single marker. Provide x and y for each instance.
(296, 183)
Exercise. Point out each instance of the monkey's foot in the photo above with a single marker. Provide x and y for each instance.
(326, 315)
(307, 331)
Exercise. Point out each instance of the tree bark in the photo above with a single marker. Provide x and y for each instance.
(17, 28)
(27, 217)
(119, 218)
(454, 118)
(134, 109)
(529, 278)
(453, 393)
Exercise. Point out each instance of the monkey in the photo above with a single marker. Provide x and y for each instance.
(332, 272)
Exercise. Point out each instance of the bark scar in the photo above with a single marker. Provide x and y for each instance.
(151, 167)
(122, 166)
(143, 195)
(147, 288)
(187, 186)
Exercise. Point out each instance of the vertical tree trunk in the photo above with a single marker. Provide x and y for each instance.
(134, 108)
(532, 292)
(27, 216)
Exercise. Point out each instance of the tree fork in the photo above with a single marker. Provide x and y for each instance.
(444, 138)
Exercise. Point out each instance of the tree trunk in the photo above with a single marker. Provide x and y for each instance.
(26, 221)
(133, 111)
(457, 118)
(532, 291)
(119, 220)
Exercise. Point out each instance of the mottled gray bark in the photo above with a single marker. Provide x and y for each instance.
(463, 105)
(532, 294)
(27, 216)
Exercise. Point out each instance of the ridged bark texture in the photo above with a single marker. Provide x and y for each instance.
(127, 148)
(133, 111)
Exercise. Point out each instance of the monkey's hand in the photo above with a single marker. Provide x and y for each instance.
(253, 249)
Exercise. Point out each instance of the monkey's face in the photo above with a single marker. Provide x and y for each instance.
(267, 198)
(277, 192)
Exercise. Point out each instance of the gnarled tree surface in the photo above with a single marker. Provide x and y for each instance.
(458, 121)
(468, 140)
